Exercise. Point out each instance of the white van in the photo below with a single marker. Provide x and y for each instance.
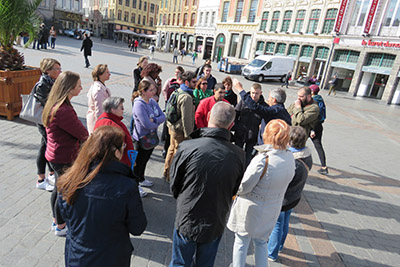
(268, 67)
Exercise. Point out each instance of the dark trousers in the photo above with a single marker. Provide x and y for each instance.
(59, 170)
(53, 42)
(249, 147)
(165, 137)
(185, 251)
(86, 60)
(41, 161)
(141, 160)
(317, 141)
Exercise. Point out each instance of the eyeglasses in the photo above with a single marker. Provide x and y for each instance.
(56, 68)
(204, 83)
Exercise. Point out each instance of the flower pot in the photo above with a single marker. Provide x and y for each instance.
(13, 84)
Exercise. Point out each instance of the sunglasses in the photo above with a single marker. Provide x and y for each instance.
(204, 83)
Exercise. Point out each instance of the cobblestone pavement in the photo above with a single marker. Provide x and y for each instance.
(349, 218)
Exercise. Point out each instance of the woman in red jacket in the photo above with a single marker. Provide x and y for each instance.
(65, 133)
(113, 114)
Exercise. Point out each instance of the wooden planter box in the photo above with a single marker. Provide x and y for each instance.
(13, 84)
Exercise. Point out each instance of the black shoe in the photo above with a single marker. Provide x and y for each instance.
(323, 171)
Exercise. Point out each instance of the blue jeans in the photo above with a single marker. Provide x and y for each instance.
(185, 251)
(241, 246)
(278, 235)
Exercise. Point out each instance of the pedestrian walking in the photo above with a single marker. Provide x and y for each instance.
(97, 94)
(334, 83)
(50, 69)
(53, 37)
(152, 49)
(136, 44)
(199, 169)
(194, 56)
(87, 45)
(316, 132)
(65, 132)
(288, 77)
(259, 199)
(100, 203)
(175, 55)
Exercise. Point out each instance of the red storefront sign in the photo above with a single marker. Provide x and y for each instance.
(339, 19)
(371, 15)
(380, 44)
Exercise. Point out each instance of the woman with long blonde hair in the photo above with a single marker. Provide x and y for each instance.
(259, 198)
(64, 131)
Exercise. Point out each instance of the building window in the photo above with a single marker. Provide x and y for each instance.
(380, 60)
(298, 25)
(264, 21)
(293, 50)
(260, 47)
(152, 8)
(133, 18)
(329, 20)
(144, 20)
(120, 2)
(322, 53)
(286, 20)
(201, 18)
(359, 13)
(253, 11)
(233, 45)
(314, 18)
(140, 4)
(275, 20)
(186, 2)
(280, 48)
(194, 2)
(392, 16)
(119, 15)
(185, 17)
(306, 51)
(145, 6)
(173, 19)
(225, 12)
(269, 48)
(206, 19)
(239, 9)
(245, 50)
(178, 17)
(169, 19)
(134, 3)
(127, 2)
(162, 3)
(151, 22)
(213, 18)
(347, 56)
(193, 19)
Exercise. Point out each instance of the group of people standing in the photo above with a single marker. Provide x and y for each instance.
(97, 185)
(45, 37)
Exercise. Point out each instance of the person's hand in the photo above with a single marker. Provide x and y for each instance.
(237, 85)
(312, 134)
(297, 103)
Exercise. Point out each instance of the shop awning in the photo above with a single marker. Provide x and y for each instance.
(344, 65)
(379, 70)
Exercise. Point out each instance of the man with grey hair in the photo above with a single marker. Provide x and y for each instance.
(205, 174)
(274, 110)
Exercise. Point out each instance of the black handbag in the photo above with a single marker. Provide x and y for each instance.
(148, 141)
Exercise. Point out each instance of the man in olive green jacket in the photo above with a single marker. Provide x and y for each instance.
(304, 111)
(181, 129)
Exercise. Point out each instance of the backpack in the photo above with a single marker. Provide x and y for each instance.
(174, 85)
(171, 109)
(322, 110)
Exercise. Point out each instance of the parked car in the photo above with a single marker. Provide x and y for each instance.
(268, 67)
(69, 33)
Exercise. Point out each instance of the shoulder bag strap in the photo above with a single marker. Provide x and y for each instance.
(265, 167)
(305, 165)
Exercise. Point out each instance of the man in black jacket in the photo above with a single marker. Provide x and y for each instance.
(205, 174)
(87, 48)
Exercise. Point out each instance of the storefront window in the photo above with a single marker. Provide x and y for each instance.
(260, 46)
(306, 51)
(280, 48)
(380, 60)
(299, 20)
(245, 46)
(286, 20)
(269, 49)
(275, 20)
(322, 53)
(313, 23)
(264, 21)
(348, 56)
(293, 49)
(329, 20)
(233, 45)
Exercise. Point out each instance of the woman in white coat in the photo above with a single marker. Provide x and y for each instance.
(259, 198)
(98, 92)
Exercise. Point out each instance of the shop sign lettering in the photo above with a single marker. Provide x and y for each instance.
(371, 15)
(379, 44)
(339, 19)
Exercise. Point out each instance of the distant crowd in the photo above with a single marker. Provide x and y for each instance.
(232, 160)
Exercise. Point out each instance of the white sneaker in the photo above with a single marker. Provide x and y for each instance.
(61, 232)
(146, 183)
(53, 226)
(45, 185)
(51, 179)
(142, 192)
